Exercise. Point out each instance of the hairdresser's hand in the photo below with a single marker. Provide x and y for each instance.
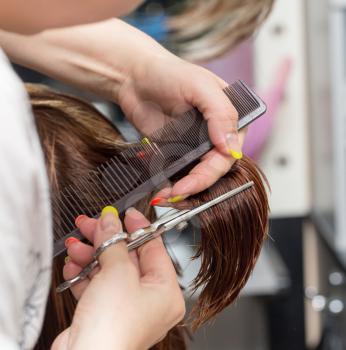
(120, 63)
(162, 85)
(132, 301)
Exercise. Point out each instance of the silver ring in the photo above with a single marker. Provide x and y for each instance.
(118, 237)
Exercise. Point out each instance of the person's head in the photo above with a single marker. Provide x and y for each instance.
(76, 139)
(29, 16)
(207, 29)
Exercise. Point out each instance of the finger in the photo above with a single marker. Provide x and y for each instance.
(134, 258)
(94, 272)
(133, 221)
(160, 198)
(212, 167)
(81, 253)
(109, 225)
(71, 270)
(221, 115)
(155, 263)
(87, 227)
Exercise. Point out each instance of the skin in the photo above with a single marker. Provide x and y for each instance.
(21, 16)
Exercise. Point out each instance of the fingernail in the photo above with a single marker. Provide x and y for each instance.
(141, 155)
(109, 209)
(177, 199)
(145, 141)
(67, 259)
(233, 145)
(235, 154)
(79, 219)
(109, 217)
(134, 213)
(155, 201)
(129, 210)
(70, 241)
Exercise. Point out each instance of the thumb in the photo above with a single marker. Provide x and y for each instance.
(222, 118)
(107, 226)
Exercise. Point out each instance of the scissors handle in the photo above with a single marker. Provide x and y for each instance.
(80, 277)
(142, 236)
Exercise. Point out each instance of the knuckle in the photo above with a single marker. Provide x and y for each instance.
(124, 271)
(150, 247)
(234, 113)
(203, 178)
(229, 112)
(175, 303)
(180, 309)
(177, 307)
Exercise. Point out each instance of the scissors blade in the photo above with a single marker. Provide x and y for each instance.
(193, 212)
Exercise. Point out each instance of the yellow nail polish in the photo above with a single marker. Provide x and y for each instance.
(176, 199)
(67, 259)
(145, 141)
(109, 209)
(235, 154)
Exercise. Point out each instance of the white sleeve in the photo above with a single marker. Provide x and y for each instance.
(6, 343)
(25, 231)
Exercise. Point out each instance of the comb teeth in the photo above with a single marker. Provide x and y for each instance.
(242, 99)
(137, 171)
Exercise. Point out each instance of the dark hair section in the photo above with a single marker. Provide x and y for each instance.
(76, 138)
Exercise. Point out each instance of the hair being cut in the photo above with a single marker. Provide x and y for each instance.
(76, 138)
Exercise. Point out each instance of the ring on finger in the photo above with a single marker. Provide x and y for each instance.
(118, 237)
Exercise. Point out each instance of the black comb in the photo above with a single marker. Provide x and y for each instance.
(139, 170)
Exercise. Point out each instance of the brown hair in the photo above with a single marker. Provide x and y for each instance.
(207, 29)
(76, 138)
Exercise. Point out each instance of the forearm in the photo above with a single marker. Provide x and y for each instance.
(96, 57)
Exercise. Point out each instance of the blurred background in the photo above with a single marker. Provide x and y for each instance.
(296, 296)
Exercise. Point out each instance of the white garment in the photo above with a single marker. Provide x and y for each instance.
(25, 218)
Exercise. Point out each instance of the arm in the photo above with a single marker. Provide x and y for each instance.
(32, 16)
(95, 57)
(120, 63)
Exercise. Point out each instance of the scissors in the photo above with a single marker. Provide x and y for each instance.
(157, 228)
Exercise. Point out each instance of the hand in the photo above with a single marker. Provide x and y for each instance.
(120, 63)
(131, 301)
(162, 85)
